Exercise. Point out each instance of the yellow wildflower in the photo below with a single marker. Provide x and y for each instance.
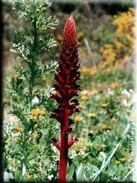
(84, 92)
(123, 159)
(100, 34)
(29, 176)
(95, 91)
(133, 116)
(17, 138)
(85, 69)
(78, 118)
(110, 127)
(82, 106)
(84, 97)
(16, 76)
(79, 43)
(41, 112)
(35, 135)
(104, 105)
(117, 162)
(101, 49)
(4, 114)
(99, 84)
(89, 93)
(44, 78)
(93, 72)
(92, 115)
(33, 117)
(113, 85)
(115, 16)
(15, 118)
(132, 9)
(119, 45)
(37, 124)
(36, 112)
(80, 34)
(59, 37)
(131, 39)
(113, 119)
(18, 128)
(21, 143)
(43, 29)
(104, 126)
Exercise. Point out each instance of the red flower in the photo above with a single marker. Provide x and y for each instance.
(65, 85)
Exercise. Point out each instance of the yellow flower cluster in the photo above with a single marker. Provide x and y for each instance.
(126, 28)
(118, 162)
(18, 128)
(133, 116)
(80, 35)
(85, 92)
(82, 106)
(95, 91)
(35, 135)
(91, 115)
(114, 85)
(79, 146)
(108, 53)
(92, 70)
(106, 127)
(17, 138)
(37, 112)
(78, 118)
(16, 76)
(59, 37)
(85, 69)
(111, 53)
(84, 98)
(125, 22)
(29, 176)
(119, 45)
(104, 105)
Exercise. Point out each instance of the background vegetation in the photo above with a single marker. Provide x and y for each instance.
(105, 34)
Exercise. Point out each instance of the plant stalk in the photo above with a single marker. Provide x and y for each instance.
(64, 149)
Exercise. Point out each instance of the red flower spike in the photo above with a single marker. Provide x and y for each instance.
(65, 84)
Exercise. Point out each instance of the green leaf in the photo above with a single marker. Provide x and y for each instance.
(17, 175)
(70, 172)
(105, 177)
(79, 173)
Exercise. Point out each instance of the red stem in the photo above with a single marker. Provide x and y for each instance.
(64, 149)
